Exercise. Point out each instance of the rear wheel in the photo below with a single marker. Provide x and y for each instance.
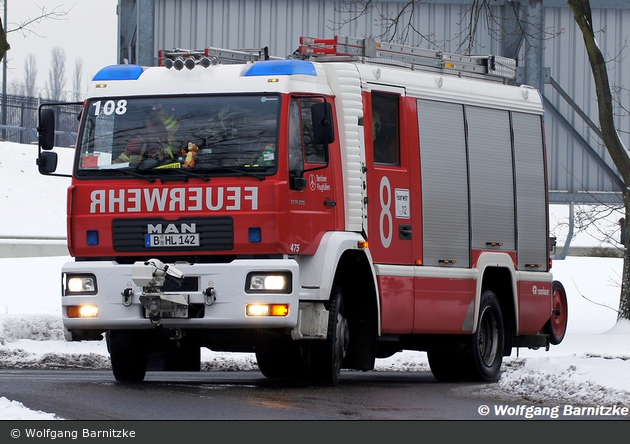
(556, 326)
(128, 352)
(446, 364)
(326, 357)
(486, 347)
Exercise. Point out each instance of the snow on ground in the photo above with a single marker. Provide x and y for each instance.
(590, 367)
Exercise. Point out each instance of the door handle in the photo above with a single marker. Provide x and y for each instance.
(404, 232)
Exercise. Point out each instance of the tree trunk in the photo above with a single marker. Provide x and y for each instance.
(4, 45)
(624, 301)
(582, 13)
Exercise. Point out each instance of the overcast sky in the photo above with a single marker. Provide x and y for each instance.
(89, 31)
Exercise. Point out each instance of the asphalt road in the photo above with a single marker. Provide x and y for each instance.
(95, 395)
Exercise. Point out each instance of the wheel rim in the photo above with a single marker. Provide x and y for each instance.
(559, 313)
(342, 339)
(488, 337)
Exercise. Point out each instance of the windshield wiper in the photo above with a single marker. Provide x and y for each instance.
(153, 165)
(133, 173)
(182, 171)
(242, 172)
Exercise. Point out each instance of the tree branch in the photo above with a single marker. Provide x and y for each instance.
(54, 14)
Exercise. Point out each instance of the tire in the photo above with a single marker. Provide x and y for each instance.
(556, 326)
(326, 357)
(128, 352)
(446, 365)
(173, 356)
(486, 347)
(281, 361)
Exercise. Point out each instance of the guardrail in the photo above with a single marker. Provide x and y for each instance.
(33, 246)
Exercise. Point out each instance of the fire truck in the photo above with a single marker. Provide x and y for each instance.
(324, 210)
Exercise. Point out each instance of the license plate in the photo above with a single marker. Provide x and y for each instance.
(171, 240)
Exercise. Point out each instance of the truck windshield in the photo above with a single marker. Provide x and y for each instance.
(205, 134)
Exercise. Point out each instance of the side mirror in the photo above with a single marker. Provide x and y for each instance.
(46, 129)
(47, 162)
(297, 183)
(552, 244)
(323, 128)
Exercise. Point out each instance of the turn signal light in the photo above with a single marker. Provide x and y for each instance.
(267, 309)
(82, 311)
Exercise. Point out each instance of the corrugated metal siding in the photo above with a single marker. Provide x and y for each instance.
(241, 24)
(278, 24)
(570, 167)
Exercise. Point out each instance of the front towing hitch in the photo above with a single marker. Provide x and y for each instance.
(151, 275)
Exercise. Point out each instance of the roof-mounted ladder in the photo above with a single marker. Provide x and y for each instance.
(369, 50)
(180, 58)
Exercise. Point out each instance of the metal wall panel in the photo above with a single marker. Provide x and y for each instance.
(278, 24)
(571, 167)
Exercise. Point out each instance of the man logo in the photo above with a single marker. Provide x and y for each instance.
(171, 229)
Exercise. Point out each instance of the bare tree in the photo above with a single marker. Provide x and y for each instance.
(27, 26)
(399, 25)
(76, 79)
(30, 74)
(582, 14)
(16, 89)
(57, 74)
(4, 45)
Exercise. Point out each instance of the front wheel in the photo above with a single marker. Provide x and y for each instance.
(281, 361)
(129, 353)
(326, 357)
(486, 348)
(556, 326)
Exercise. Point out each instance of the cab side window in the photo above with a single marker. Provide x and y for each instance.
(385, 128)
(302, 147)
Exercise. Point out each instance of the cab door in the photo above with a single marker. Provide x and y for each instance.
(312, 204)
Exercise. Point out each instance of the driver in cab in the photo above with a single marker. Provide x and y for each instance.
(152, 142)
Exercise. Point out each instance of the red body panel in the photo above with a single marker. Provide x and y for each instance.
(397, 304)
(535, 306)
(441, 304)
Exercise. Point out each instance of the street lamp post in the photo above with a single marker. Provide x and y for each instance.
(4, 80)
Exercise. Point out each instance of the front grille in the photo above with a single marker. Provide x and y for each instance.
(215, 234)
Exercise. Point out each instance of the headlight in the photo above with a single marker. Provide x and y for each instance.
(79, 284)
(269, 282)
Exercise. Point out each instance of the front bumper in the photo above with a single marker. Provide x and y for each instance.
(118, 298)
